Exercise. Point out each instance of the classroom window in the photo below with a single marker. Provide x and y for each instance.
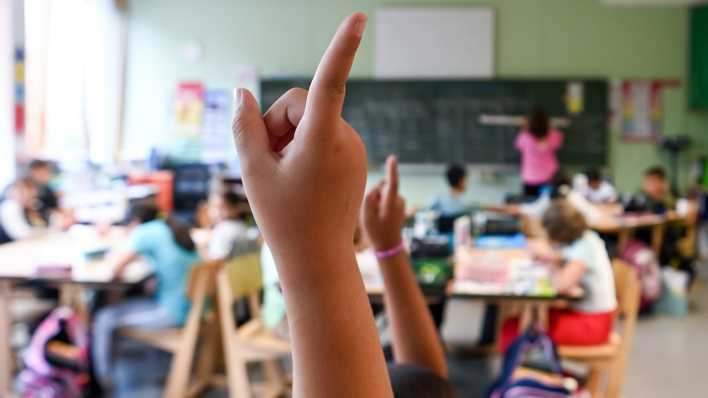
(75, 57)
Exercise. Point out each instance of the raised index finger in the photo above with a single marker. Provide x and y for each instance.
(326, 94)
(391, 189)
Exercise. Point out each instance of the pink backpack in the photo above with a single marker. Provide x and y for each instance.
(44, 377)
(644, 260)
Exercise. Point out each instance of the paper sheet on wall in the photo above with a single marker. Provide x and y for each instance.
(189, 108)
(642, 113)
(574, 100)
(217, 141)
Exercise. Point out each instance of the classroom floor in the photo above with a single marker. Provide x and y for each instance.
(669, 358)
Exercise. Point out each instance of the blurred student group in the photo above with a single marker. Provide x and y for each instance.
(550, 222)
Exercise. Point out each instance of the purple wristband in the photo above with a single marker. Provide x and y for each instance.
(384, 254)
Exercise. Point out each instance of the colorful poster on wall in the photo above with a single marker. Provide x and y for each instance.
(189, 108)
(217, 141)
(642, 113)
(19, 91)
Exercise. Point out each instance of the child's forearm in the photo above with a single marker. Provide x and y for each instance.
(415, 340)
(336, 349)
(567, 278)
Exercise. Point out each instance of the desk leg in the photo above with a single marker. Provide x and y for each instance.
(526, 317)
(623, 240)
(6, 360)
(534, 313)
(657, 238)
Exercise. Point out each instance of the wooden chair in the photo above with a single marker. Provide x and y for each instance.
(611, 359)
(182, 341)
(252, 342)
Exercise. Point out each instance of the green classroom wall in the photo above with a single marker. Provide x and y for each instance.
(534, 38)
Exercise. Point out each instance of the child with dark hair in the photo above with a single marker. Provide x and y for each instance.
(655, 196)
(19, 218)
(42, 172)
(538, 144)
(420, 368)
(450, 203)
(167, 246)
(229, 211)
(578, 258)
(594, 187)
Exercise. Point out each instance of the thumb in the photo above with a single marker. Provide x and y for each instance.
(250, 133)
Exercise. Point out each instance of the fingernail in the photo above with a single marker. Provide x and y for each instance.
(360, 25)
(238, 96)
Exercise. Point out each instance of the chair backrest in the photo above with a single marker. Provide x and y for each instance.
(201, 279)
(241, 277)
(244, 275)
(628, 293)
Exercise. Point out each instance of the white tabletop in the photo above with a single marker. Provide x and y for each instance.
(20, 260)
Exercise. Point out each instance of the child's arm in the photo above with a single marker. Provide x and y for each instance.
(121, 261)
(304, 171)
(415, 340)
(567, 277)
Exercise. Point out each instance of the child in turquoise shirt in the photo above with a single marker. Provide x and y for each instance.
(169, 250)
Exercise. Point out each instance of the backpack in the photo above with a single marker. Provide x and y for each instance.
(542, 355)
(643, 259)
(49, 374)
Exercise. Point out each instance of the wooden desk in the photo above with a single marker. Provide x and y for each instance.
(19, 262)
(624, 226)
(509, 298)
(520, 288)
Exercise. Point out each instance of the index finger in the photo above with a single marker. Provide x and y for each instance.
(326, 94)
(391, 178)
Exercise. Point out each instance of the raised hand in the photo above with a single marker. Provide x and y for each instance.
(413, 333)
(304, 170)
(304, 167)
(384, 211)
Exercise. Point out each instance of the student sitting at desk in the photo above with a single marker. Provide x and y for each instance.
(450, 203)
(19, 218)
(538, 144)
(41, 174)
(170, 251)
(560, 187)
(578, 258)
(654, 196)
(229, 211)
(594, 187)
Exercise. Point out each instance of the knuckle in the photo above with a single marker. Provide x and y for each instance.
(296, 92)
(337, 89)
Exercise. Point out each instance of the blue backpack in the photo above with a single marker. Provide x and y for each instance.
(534, 344)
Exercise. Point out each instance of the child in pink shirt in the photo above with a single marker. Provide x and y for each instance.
(538, 144)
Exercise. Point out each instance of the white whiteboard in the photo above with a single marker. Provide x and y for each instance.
(434, 42)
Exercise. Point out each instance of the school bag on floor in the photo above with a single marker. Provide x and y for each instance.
(643, 259)
(57, 359)
(531, 369)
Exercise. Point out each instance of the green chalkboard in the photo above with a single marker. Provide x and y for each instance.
(440, 121)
